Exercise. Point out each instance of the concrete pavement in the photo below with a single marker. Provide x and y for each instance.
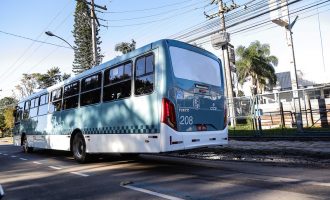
(303, 146)
(54, 175)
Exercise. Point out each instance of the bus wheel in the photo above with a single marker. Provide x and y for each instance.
(79, 148)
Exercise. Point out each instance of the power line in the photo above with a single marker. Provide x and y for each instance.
(146, 9)
(211, 25)
(27, 38)
(263, 23)
(153, 15)
(242, 21)
(37, 38)
(153, 21)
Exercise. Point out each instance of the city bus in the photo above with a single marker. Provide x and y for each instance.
(165, 96)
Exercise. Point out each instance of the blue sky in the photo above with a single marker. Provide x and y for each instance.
(32, 18)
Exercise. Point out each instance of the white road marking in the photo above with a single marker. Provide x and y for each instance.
(317, 183)
(80, 174)
(38, 163)
(5, 154)
(23, 158)
(0, 153)
(1, 191)
(152, 193)
(53, 167)
(13, 156)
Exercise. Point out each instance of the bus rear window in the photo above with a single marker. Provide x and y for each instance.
(193, 66)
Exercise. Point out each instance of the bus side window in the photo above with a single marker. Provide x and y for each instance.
(144, 75)
(91, 90)
(71, 95)
(56, 100)
(117, 82)
(34, 107)
(43, 104)
(26, 110)
(17, 113)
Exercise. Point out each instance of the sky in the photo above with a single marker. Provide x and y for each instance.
(144, 21)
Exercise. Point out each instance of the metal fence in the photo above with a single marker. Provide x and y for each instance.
(280, 110)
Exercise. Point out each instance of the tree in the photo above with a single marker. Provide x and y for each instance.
(52, 77)
(31, 82)
(125, 47)
(82, 33)
(255, 62)
(27, 86)
(240, 93)
(7, 105)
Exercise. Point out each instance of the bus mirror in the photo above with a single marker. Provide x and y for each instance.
(14, 113)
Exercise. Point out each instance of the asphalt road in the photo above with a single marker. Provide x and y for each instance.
(55, 175)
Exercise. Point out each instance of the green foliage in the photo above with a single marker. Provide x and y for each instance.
(256, 62)
(82, 33)
(125, 47)
(240, 93)
(31, 82)
(9, 118)
(7, 105)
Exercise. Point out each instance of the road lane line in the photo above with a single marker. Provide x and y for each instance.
(5, 154)
(13, 156)
(1, 192)
(317, 183)
(152, 193)
(38, 163)
(80, 174)
(53, 167)
(0, 153)
(23, 158)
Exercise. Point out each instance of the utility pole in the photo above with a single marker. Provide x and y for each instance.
(224, 42)
(94, 20)
(283, 19)
(93, 17)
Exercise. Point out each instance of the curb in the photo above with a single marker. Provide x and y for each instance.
(279, 152)
(281, 138)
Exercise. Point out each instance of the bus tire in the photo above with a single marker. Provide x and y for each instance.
(79, 148)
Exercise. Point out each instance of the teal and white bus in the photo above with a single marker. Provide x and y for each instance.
(165, 96)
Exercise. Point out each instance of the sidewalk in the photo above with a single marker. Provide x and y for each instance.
(287, 146)
(6, 140)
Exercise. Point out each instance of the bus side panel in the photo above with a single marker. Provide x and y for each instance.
(55, 138)
(71, 120)
(39, 140)
(123, 143)
(128, 124)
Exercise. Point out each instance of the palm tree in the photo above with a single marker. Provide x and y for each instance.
(255, 62)
(125, 47)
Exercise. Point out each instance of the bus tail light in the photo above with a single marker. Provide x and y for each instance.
(168, 113)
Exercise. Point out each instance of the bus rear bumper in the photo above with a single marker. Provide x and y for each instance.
(173, 140)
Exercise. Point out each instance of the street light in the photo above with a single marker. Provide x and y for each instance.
(52, 34)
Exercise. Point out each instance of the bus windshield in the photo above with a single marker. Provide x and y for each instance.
(194, 66)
